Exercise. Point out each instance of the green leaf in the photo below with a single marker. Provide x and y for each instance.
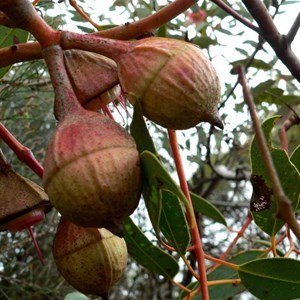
(263, 203)
(173, 223)
(268, 244)
(155, 179)
(242, 51)
(142, 12)
(204, 41)
(272, 278)
(146, 254)
(86, 29)
(289, 99)
(250, 42)
(9, 37)
(262, 87)
(295, 158)
(267, 92)
(139, 131)
(226, 291)
(207, 209)
(162, 31)
(256, 63)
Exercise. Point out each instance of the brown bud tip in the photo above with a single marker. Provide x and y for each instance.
(215, 120)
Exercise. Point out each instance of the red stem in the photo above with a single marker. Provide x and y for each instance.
(232, 244)
(39, 253)
(191, 217)
(23, 153)
(93, 43)
(30, 51)
(19, 52)
(285, 209)
(66, 101)
(23, 13)
(233, 13)
(150, 23)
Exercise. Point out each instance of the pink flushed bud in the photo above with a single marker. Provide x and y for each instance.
(177, 85)
(92, 171)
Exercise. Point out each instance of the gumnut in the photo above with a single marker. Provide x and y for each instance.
(91, 260)
(175, 83)
(92, 171)
(93, 76)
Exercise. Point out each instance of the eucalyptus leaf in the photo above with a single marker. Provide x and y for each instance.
(295, 158)
(207, 209)
(139, 131)
(173, 223)
(256, 63)
(146, 254)
(226, 291)
(272, 278)
(263, 204)
(155, 179)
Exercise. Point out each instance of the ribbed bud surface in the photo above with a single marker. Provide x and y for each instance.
(177, 85)
(92, 171)
(91, 260)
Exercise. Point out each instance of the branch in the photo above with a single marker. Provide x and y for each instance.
(234, 14)
(269, 32)
(20, 52)
(285, 209)
(23, 153)
(294, 29)
(289, 121)
(32, 51)
(23, 13)
(191, 216)
(149, 23)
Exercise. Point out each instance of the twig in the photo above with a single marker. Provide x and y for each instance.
(294, 29)
(222, 262)
(233, 243)
(285, 209)
(237, 16)
(191, 217)
(83, 14)
(269, 32)
(23, 153)
(150, 23)
(23, 13)
(19, 53)
(123, 32)
(287, 124)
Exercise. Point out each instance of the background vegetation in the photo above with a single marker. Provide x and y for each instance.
(217, 162)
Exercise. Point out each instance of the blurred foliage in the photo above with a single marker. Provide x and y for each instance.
(217, 163)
